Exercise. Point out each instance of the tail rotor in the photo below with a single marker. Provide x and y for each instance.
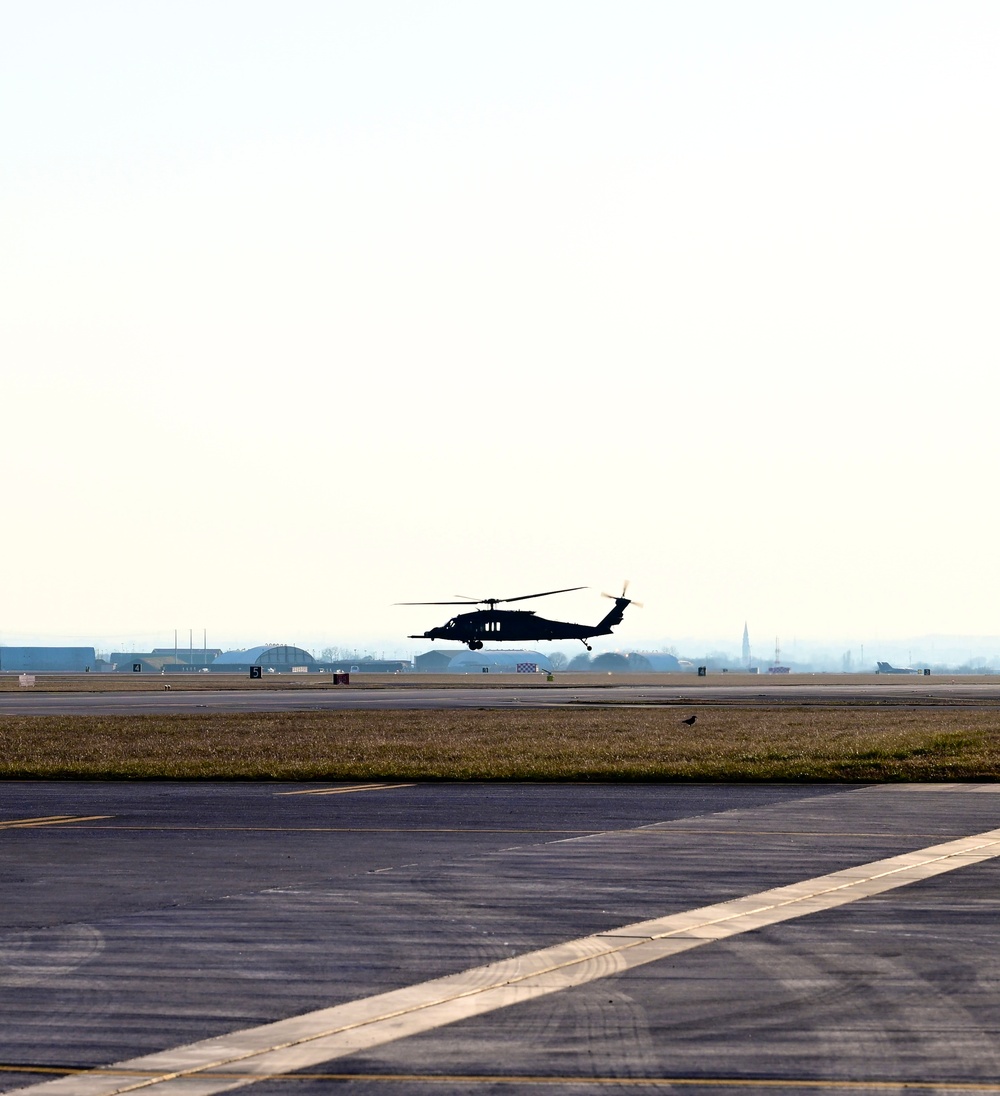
(622, 597)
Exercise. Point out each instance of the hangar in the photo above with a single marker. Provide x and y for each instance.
(476, 662)
(48, 659)
(277, 658)
(164, 660)
(366, 665)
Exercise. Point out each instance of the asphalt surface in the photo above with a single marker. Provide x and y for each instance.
(142, 917)
(175, 700)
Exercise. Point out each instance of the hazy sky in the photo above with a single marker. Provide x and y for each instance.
(309, 307)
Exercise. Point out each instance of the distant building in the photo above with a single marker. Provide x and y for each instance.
(366, 665)
(657, 662)
(280, 658)
(190, 656)
(476, 662)
(70, 660)
(163, 660)
(611, 663)
(499, 662)
(433, 662)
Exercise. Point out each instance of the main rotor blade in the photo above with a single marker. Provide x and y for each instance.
(434, 603)
(544, 593)
(491, 600)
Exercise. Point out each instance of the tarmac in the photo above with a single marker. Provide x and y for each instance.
(385, 691)
(455, 938)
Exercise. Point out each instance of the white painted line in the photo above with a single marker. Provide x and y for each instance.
(309, 1040)
(965, 787)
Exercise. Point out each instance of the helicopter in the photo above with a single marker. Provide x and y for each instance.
(518, 625)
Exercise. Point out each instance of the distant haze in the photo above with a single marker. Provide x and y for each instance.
(310, 309)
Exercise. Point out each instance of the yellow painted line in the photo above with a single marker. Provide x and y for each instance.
(642, 831)
(344, 791)
(537, 1079)
(41, 818)
(301, 1042)
(52, 820)
(342, 829)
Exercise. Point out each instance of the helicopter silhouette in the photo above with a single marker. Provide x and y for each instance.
(518, 625)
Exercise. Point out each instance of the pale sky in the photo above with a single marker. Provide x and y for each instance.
(309, 308)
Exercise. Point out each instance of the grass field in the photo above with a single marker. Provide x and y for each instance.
(786, 742)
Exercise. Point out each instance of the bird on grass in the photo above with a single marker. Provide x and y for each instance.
(690, 721)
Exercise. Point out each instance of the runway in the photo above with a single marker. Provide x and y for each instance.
(817, 938)
(916, 691)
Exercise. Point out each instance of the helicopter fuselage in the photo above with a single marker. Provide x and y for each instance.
(519, 626)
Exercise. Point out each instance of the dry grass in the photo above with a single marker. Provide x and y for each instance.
(778, 743)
